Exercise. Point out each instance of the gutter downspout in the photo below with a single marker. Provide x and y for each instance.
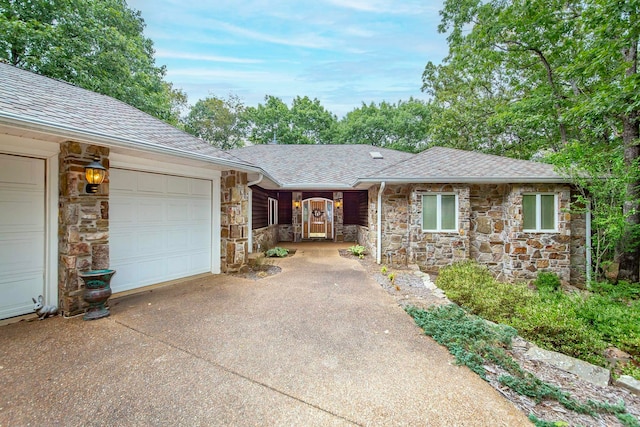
(250, 211)
(383, 184)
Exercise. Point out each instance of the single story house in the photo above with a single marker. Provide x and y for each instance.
(174, 207)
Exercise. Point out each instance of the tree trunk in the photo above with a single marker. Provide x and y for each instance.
(628, 249)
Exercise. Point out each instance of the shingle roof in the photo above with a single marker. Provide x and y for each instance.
(29, 97)
(441, 164)
(319, 166)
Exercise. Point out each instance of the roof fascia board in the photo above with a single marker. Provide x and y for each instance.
(463, 180)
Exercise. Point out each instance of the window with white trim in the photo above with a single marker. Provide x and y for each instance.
(439, 212)
(539, 212)
(273, 211)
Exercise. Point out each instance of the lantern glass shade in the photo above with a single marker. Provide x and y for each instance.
(95, 174)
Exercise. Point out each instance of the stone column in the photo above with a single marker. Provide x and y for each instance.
(338, 217)
(83, 221)
(234, 219)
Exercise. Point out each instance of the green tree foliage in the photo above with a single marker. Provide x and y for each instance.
(218, 121)
(95, 44)
(402, 126)
(524, 76)
(307, 122)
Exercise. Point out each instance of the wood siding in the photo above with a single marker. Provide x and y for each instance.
(355, 208)
(284, 207)
(260, 211)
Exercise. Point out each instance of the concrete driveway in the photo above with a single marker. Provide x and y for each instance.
(318, 344)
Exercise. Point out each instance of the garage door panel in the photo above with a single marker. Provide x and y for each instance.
(122, 180)
(178, 212)
(150, 211)
(178, 185)
(17, 292)
(149, 242)
(124, 212)
(22, 233)
(168, 236)
(15, 250)
(21, 172)
(179, 239)
(201, 188)
(151, 183)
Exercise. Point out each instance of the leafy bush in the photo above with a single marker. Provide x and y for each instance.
(357, 250)
(553, 323)
(547, 282)
(277, 252)
(618, 323)
(473, 286)
(621, 291)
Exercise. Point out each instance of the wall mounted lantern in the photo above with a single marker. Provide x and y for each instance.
(95, 174)
(338, 203)
(296, 204)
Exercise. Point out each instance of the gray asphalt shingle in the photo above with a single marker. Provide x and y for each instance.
(441, 164)
(37, 98)
(321, 165)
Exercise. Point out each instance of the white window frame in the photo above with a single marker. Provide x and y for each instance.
(539, 228)
(273, 211)
(439, 212)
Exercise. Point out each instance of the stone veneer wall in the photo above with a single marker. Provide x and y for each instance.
(350, 233)
(234, 230)
(431, 251)
(395, 224)
(367, 236)
(489, 231)
(265, 238)
(527, 253)
(286, 233)
(488, 234)
(83, 223)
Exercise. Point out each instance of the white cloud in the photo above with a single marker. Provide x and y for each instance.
(204, 57)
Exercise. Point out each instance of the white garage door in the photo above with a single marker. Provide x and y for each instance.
(160, 227)
(22, 233)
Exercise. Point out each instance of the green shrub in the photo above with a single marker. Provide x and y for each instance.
(547, 282)
(621, 291)
(555, 325)
(277, 252)
(473, 287)
(357, 250)
(617, 322)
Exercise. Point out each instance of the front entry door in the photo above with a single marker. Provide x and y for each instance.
(317, 218)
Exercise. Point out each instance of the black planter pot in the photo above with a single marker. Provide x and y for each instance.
(97, 291)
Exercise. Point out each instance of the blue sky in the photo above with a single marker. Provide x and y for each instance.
(343, 52)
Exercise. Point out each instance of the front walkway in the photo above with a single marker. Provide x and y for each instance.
(318, 344)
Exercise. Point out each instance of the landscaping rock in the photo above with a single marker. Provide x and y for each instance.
(588, 372)
(630, 383)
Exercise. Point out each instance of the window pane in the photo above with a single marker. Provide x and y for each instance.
(429, 213)
(448, 212)
(548, 211)
(529, 211)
